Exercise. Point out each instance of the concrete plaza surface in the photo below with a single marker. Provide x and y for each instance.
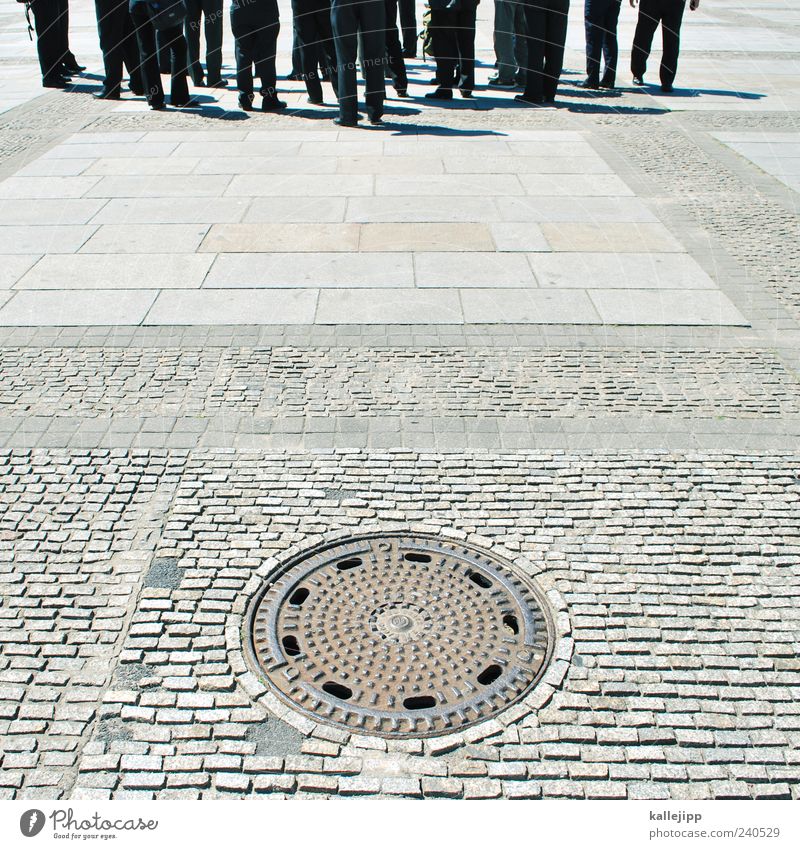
(572, 334)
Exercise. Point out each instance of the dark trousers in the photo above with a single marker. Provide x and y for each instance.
(546, 33)
(64, 30)
(211, 12)
(364, 21)
(453, 35)
(175, 45)
(668, 13)
(601, 18)
(408, 25)
(394, 52)
(49, 19)
(118, 43)
(312, 27)
(256, 44)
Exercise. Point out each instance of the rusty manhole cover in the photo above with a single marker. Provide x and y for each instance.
(399, 635)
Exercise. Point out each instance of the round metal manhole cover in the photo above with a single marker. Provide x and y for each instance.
(399, 635)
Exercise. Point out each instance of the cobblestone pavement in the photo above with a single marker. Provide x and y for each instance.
(606, 391)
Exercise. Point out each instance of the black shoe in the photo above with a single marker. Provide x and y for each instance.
(272, 104)
(401, 92)
(609, 84)
(186, 104)
(465, 92)
(294, 77)
(72, 66)
(157, 105)
(440, 94)
(523, 98)
(589, 83)
(106, 94)
(376, 118)
(345, 122)
(497, 82)
(55, 82)
(220, 83)
(136, 90)
(638, 81)
(246, 101)
(666, 88)
(315, 101)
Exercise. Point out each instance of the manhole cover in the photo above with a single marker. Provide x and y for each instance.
(399, 635)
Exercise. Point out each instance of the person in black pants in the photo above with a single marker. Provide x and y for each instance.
(453, 34)
(546, 33)
(364, 21)
(211, 12)
(255, 25)
(394, 52)
(175, 44)
(69, 61)
(51, 22)
(408, 26)
(118, 43)
(601, 18)
(314, 36)
(669, 13)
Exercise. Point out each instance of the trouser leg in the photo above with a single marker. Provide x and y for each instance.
(266, 46)
(305, 32)
(175, 43)
(554, 50)
(671, 39)
(111, 17)
(345, 37)
(148, 58)
(594, 12)
(610, 46)
(326, 50)
(63, 31)
(243, 51)
(192, 28)
(504, 39)
(465, 39)
(45, 17)
(520, 44)
(394, 52)
(646, 25)
(130, 52)
(408, 25)
(535, 22)
(212, 29)
(445, 47)
(372, 27)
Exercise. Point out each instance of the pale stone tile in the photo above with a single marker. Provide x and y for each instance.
(109, 138)
(146, 239)
(172, 165)
(281, 165)
(324, 133)
(341, 147)
(237, 149)
(321, 270)
(430, 209)
(21, 211)
(46, 187)
(55, 168)
(118, 271)
(135, 150)
(525, 165)
(489, 144)
(425, 237)
(161, 186)
(527, 306)
(668, 307)
(619, 271)
(552, 209)
(577, 186)
(196, 135)
(297, 209)
(387, 164)
(76, 309)
(267, 238)
(453, 185)
(514, 236)
(44, 239)
(172, 211)
(551, 148)
(300, 185)
(13, 267)
(630, 238)
(389, 306)
(472, 268)
(218, 306)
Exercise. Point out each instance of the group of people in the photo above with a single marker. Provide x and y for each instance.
(333, 38)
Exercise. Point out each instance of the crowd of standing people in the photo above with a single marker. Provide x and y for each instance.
(334, 38)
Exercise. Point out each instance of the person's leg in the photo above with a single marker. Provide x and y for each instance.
(557, 16)
(325, 45)
(372, 26)
(305, 33)
(345, 37)
(672, 17)
(610, 46)
(67, 57)
(504, 41)
(212, 29)
(148, 58)
(535, 23)
(408, 25)
(45, 18)
(110, 30)
(594, 18)
(445, 49)
(646, 25)
(394, 52)
(130, 52)
(176, 44)
(194, 12)
(465, 38)
(520, 43)
(266, 49)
